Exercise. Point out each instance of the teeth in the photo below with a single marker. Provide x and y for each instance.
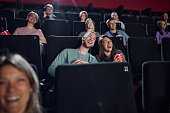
(12, 98)
(90, 42)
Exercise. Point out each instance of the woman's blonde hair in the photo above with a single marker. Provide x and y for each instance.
(86, 23)
(20, 63)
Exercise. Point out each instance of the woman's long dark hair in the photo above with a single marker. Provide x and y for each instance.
(102, 57)
(160, 28)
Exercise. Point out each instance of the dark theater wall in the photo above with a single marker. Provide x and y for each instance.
(156, 5)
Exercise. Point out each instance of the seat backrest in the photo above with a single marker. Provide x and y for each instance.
(135, 29)
(72, 16)
(104, 28)
(94, 88)
(156, 87)
(96, 17)
(58, 43)
(57, 27)
(151, 30)
(146, 20)
(59, 15)
(130, 19)
(141, 50)
(3, 24)
(26, 45)
(165, 49)
(78, 27)
(9, 14)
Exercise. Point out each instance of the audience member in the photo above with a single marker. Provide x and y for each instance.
(90, 27)
(48, 13)
(75, 56)
(108, 52)
(115, 16)
(162, 31)
(83, 16)
(113, 32)
(19, 86)
(165, 18)
(29, 29)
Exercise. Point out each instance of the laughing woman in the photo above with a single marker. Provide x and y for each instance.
(18, 86)
(108, 52)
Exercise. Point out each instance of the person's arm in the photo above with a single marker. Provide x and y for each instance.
(158, 37)
(60, 59)
(41, 36)
(124, 35)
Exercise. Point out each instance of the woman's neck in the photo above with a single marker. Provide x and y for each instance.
(107, 53)
(89, 30)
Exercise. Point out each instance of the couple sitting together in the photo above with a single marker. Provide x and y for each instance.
(107, 53)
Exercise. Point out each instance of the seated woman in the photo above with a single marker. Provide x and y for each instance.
(162, 31)
(90, 27)
(19, 86)
(108, 52)
(83, 16)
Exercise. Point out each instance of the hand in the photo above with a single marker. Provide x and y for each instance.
(79, 61)
(118, 58)
(45, 14)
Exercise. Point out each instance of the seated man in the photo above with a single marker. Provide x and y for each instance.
(29, 29)
(114, 15)
(113, 32)
(75, 56)
(48, 13)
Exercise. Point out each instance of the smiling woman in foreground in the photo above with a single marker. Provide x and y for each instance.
(18, 86)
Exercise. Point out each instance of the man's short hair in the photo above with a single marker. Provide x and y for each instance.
(48, 5)
(108, 20)
(32, 12)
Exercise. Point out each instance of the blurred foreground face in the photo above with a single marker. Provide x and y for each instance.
(15, 89)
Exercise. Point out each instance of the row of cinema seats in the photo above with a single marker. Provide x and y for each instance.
(69, 28)
(100, 80)
(108, 88)
(138, 51)
(98, 17)
(66, 27)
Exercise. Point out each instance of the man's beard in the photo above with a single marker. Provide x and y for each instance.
(85, 45)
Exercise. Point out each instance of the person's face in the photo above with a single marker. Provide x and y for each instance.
(83, 17)
(112, 24)
(32, 18)
(90, 24)
(114, 16)
(163, 24)
(49, 10)
(15, 89)
(165, 16)
(107, 44)
(90, 40)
